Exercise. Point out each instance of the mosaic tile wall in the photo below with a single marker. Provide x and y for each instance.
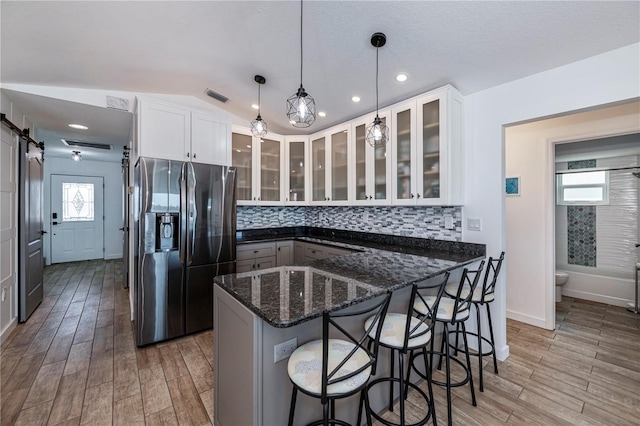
(421, 222)
(581, 227)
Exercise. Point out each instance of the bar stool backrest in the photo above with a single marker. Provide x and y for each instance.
(429, 319)
(329, 321)
(493, 270)
(469, 279)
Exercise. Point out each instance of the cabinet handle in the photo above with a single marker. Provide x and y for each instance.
(286, 199)
(254, 198)
(418, 195)
(412, 196)
(255, 251)
(194, 155)
(258, 265)
(187, 155)
(313, 251)
(258, 198)
(279, 248)
(328, 198)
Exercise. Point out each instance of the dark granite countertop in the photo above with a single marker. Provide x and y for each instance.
(288, 295)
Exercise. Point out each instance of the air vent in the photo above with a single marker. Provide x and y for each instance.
(217, 96)
(87, 144)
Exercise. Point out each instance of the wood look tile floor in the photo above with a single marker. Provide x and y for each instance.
(75, 362)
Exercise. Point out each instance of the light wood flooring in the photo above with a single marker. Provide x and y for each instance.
(75, 362)
(586, 372)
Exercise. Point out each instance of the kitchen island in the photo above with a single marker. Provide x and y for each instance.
(255, 311)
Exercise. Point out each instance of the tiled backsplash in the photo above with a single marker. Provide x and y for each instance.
(421, 222)
(581, 229)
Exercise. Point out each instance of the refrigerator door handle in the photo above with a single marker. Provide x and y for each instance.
(193, 212)
(183, 214)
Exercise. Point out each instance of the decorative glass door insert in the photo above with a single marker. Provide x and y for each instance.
(77, 202)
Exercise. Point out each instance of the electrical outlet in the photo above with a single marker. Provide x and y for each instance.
(448, 222)
(284, 350)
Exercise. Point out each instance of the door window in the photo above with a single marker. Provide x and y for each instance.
(77, 202)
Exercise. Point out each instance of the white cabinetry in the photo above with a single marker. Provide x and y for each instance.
(427, 160)
(260, 165)
(330, 177)
(173, 132)
(296, 171)
(370, 167)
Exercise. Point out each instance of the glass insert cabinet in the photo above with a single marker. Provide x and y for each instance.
(423, 163)
(427, 155)
(259, 163)
(330, 165)
(371, 167)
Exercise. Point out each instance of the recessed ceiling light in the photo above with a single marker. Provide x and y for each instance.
(255, 106)
(78, 126)
(355, 98)
(402, 77)
(322, 114)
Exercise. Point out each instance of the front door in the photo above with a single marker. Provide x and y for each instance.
(77, 218)
(30, 231)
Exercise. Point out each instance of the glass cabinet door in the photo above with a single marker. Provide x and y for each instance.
(339, 189)
(403, 154)
(431, 149)
(360, 165)
(297, 169)
(318, 169)
(269, 170)
(380, 169)
(241, 158)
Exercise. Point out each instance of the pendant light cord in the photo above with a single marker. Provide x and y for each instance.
(259, 98)
(377, 49)
(301, 43)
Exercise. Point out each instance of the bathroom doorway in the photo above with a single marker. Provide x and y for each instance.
(530, 155)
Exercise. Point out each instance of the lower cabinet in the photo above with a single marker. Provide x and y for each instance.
(270, 254)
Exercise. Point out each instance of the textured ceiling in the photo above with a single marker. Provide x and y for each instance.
(185, 47)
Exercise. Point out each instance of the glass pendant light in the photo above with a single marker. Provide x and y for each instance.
(301, 108)
(75, 156)
(377, 134)
(259, 126)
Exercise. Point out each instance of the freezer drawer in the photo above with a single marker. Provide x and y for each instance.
(160, 298)
(199, 288)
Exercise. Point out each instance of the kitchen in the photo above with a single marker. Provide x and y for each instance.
(485, 114)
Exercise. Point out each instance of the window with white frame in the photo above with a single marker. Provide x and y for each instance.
(583, 188)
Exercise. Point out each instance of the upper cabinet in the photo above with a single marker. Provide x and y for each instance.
(370, 167)
(259, 163)
(427, 160)
(178, 133)
(296, 174)
(330, 165)
(421, 165)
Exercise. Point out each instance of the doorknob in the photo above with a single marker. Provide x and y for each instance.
(42, 232)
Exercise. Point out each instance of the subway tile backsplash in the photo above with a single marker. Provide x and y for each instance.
(421, 222)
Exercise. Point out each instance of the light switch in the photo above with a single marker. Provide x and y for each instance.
(474, 224)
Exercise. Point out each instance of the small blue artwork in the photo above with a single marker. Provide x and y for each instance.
(512, 185)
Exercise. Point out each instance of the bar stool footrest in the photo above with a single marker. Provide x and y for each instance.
(475, 335)
(421, 422)
(439, 383)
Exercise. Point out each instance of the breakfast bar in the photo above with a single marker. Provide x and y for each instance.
(261, 316)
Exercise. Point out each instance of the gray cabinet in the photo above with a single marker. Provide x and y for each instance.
(255, 256)
(284, 254)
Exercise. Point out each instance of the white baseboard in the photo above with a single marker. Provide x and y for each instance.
(7, 330)
(502, 353)
(527, 319)
(113, 256)
(594, 297)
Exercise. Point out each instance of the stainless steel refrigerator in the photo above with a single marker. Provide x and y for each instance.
(185, 226)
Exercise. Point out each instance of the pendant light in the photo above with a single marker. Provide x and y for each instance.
(377, 134)
(301, 108)
(259, 126)
(75, 156)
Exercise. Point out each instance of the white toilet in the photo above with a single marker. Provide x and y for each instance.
(561, 279)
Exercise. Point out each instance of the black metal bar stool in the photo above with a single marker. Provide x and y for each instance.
(482, 296)
(332, 368)
(449, 312)
(402, 333)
